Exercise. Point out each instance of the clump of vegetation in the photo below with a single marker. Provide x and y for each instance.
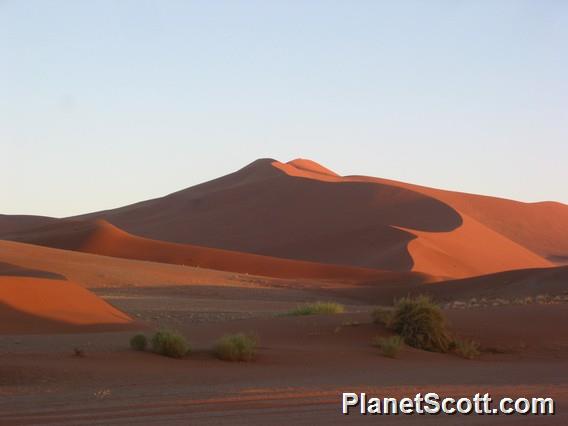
(389, 346)
(421, 324)
(170, 343)
(466, 348)
(317, 308)
(382, 315)
(236, 347)
(139, 342)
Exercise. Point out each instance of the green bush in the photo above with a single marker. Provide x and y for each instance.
(236, 347)
(139, 342)
(170, 343)
(389, 346)
(421, 324)
(317, 308)
(382, 315)
(466, 348)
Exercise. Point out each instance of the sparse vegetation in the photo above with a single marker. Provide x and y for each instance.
(170, 343)
(382, 315)
(139, 342)
(317, 308)
(541, 299)
(236, 347)
(389, 346)
(421, 324)
(466, 348)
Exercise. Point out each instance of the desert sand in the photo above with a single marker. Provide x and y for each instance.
(233, 255)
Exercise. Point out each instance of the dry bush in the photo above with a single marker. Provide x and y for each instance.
(170, 343)
(389, 346)
(317, 308)
(236, 347)
(421, 324)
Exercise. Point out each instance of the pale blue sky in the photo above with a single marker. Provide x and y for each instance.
(104, 103)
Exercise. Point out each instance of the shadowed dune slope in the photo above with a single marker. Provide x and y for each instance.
(301, 210)
(14, 223)
(100, 237)
(18, 271)
(37, 305)
(507, 284)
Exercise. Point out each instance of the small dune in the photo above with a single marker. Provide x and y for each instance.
(38, 305)
(100, 237)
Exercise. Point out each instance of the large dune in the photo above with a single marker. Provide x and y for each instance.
(301, 210)
(39, 305)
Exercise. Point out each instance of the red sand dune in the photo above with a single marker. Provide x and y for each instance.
(301, 210)
(100, 237)
(94, 271)
(37, 305)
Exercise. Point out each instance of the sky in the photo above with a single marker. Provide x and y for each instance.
(106, 103)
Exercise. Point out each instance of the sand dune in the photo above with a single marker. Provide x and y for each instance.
(508, 284)
(38, 305)
(100, 237)
(96, 271)
(301, 210)
(540, 227)
(14, 223)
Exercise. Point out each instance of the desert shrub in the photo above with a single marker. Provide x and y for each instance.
(170, 343)
(466, 348)
(139, 342)
(421, 324)
(389, 346)
(236, 347)
(317, 308)
(382, 315)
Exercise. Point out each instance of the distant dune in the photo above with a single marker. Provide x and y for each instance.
(14, 223)
(39, 305)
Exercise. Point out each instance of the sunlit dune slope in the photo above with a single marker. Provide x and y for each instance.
(100, 237)
(37, 305)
